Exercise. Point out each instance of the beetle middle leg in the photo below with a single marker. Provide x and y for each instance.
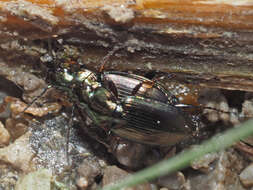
(154, 78)
(97, 121)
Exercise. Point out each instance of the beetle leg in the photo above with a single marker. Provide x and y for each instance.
(68, 134)
(188, 106)
(36, 98)
(136, 89)
(111, 86)
(147, 84)
(98, 119)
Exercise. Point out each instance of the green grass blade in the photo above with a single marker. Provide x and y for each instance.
(183, 159)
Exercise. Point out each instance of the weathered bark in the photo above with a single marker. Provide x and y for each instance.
(208, 41)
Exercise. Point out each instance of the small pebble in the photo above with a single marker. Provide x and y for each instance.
(113, 174)
(246, 176)
(4, 136)
(19, 154)
(87, 171)
(82, 183)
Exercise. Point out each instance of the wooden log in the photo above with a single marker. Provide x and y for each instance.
(209, 41)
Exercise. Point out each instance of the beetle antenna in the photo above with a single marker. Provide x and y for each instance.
(36, 98)
(107, 57)
(68, 133)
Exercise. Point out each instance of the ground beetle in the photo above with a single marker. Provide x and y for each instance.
(148, 112)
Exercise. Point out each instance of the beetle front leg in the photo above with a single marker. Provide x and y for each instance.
(97, 122)
(99, 119)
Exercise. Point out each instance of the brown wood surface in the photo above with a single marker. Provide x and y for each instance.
(210, 42)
